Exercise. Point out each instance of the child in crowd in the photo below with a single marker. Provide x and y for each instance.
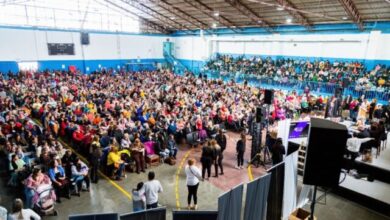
(138, 198)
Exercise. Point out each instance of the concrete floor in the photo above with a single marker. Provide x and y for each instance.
(105, 197)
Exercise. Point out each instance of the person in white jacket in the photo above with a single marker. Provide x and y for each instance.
(194, 175)
(19, 213)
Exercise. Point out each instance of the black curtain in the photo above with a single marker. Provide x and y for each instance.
(275, 196)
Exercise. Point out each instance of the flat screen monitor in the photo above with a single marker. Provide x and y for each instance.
(150, 214)
(299, 129)
(195, 215)
(105, 216)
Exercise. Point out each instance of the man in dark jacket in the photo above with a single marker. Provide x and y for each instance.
(278, 151)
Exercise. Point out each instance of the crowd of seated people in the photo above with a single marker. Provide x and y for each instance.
(118, 119)
(304, 70)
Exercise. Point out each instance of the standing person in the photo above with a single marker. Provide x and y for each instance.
(206, 160)
(138, 198)
(96, 155)
(19, 213)
(152, 188)
(353, 109)
(218, 156)
(278, 151)
(363, 109)
(371, 109)
(240, 149)
(221, 140)
(193, 175)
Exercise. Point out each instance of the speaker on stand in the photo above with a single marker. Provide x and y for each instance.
(324, 155)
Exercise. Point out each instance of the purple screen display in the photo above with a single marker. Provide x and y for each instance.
(299, 129)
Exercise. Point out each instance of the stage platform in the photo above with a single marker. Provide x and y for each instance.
(374, 194)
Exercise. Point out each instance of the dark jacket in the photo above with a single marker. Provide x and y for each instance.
(277, 153)
(207, 154)
(240, 147)
(221, 140)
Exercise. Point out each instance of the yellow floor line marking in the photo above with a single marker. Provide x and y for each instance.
(128, 195)
(123, 191)
(177, 178)
(250, 172)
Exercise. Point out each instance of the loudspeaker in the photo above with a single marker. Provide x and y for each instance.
(324, 153)
(84, 38)
(268, 96)
(259, 114)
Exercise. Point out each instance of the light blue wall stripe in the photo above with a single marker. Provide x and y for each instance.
(93, 65)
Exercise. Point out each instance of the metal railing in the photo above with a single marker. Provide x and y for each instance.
(176, 65)
(320, 88)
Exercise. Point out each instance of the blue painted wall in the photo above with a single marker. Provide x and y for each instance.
(193, 65)
(137, 64)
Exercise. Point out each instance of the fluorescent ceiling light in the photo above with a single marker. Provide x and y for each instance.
(280, 8)
(344, 18)
(214, 25)
(216, 14)
(288, 20)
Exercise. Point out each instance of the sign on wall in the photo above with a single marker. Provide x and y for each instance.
(60, 49)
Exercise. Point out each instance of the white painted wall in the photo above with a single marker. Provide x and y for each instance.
(370, 46)
(31, 45)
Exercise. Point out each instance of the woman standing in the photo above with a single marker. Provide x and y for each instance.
(371, 109)
(193, 175)
(206, 159)
(363, 109)
(218, 156)
(96, 154)
(240, 148)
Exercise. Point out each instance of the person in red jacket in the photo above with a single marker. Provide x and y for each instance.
(78, 137)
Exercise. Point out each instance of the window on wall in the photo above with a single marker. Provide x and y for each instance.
(71, 14)
(31, 66)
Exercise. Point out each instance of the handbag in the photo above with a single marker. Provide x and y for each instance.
(193, 173)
